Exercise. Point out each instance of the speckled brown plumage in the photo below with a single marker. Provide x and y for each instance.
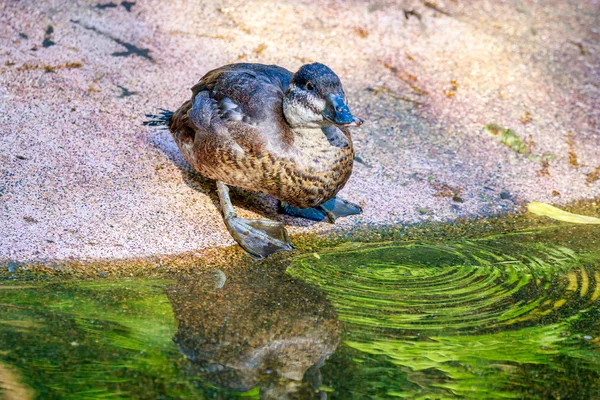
(233, 129)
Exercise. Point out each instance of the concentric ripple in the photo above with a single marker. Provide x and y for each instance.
(429, 320)
(465, 285)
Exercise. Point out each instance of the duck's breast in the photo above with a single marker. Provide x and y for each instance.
(317, 166)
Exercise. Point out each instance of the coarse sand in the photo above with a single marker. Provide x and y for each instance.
(82, 179)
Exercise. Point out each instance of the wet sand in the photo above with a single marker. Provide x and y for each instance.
(82, 179)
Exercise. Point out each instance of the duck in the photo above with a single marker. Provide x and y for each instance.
(263, 128)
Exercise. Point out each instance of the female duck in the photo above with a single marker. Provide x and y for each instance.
(263, 129)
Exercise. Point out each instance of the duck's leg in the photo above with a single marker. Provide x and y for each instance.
(309, 213)
(330, 210)
(260, 238)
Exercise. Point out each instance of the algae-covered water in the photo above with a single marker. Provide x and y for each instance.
(510, 315)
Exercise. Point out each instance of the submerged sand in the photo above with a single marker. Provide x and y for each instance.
(81, 178)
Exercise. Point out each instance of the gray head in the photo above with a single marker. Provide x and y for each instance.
(315, 98)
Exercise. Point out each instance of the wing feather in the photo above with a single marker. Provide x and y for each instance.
(251, 93)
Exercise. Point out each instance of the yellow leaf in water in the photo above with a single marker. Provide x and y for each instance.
(547, 210)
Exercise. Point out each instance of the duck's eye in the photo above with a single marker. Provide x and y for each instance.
(309, 86)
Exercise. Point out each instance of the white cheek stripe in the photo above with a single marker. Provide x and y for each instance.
(299, 115)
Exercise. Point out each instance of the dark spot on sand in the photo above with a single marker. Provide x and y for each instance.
(31, 220)
(106, 5)
(130, 48)
(49, 68)
(525, 118)
(125, 92)
(582, 50)
(92, 89)
(505, 196)
(411, 13)
(128, 5)
(71, 65)
(445, 190)
(47, 42)
(259, 50)
(361, 161)
(594, 175)
(434, 6)
(544, 171)
(361, 32)
(572, 155)
(23, 36)
(21, 157)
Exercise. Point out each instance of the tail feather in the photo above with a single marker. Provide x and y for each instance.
(158, 120)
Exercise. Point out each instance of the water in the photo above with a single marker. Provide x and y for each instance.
(513, 315)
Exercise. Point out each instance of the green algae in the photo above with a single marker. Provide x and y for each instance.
(466, 318)
(92, 339)
(509, 138)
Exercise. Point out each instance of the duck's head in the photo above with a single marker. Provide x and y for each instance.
(315, 98)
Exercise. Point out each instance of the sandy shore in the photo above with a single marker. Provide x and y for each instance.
(81, 178)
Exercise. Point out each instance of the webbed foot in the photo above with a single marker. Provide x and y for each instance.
(331, 210)
(337, 207)
(260, 238)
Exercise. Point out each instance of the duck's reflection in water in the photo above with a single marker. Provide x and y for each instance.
(255, 328)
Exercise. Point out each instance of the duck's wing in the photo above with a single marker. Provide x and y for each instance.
(248, 93)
